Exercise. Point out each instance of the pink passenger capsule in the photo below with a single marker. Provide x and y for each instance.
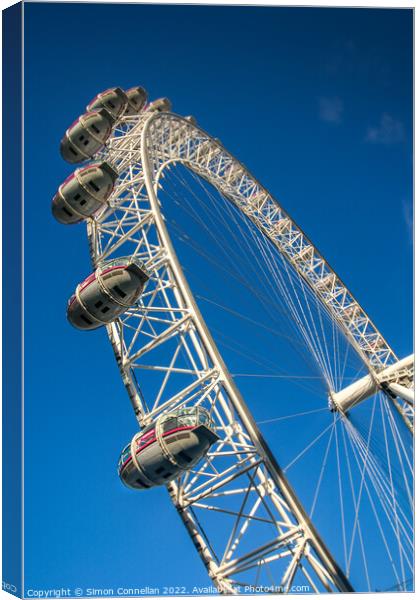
(160, 105)
(137, 98)
(171, 445)
(113, 100)
(86, 136)
(107, 293)
(83, 193)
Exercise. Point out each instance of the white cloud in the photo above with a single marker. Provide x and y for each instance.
(330, 109)
(389, 131)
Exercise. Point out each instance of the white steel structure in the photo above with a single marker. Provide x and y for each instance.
(264, 535)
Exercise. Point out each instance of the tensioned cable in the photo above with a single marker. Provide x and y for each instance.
(392, 489)
(323, 465)
(334, 334)
(221, 338)
(356, 455)
(356, 519)
(334, 323)
(380, 463)
(270, 247)
(308, 447)
(194, 211)
(300, 414)
(376, 473)
(326, 345)
(341, 496)
(372, 505)
(337, 369)
(361, 486)
(247, 220)
(382, 494)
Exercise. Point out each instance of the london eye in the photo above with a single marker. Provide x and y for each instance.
(149, 174)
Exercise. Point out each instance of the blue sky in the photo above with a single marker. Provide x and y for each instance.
(318, 104)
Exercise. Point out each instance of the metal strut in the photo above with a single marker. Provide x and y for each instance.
(173, 320)
(334, 571)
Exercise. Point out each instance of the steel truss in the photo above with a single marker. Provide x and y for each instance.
(242, 514)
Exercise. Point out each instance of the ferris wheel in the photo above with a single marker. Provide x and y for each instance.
(247, 520)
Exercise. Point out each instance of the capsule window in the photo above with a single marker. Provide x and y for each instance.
(169, 424)
(159, 470)
(73, 151)
(70, 214)
(95, 129)
(167, 475)
(142, 484)
(86, 320)
(105, 309)
(94, 186)
(111, 104)
(76, 197)
(119, 291)
(82, 202)
(98, 304)
(185, 456)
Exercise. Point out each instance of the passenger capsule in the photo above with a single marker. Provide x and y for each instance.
(191, 120)
(83, 193)
(86, 136)
(114, 101)
(175, 443)
(160, 105)
(137, 98)
(107, 293)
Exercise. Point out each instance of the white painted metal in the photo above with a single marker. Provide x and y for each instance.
(167, 321)
(181, 141)
(400, 372)
(406, 394)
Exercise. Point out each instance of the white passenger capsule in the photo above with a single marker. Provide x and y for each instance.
(107, 293)
(175, 443)
(113, 100)
(86, 136)
(137, 98)
(83, 193)
(160, 105)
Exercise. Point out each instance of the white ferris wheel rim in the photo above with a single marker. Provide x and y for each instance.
(322, 562)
